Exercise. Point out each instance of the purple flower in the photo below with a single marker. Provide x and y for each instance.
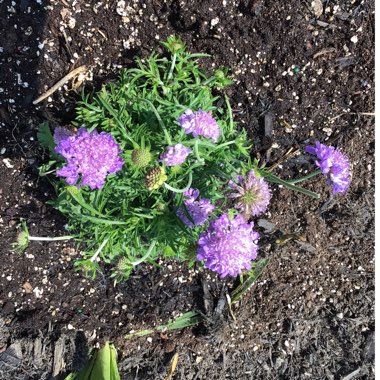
(89, 155)
(252, 195)
(228, 246)
(175, 155)
(333, 164)
(199, 123)
(199, 211)
(60, 134)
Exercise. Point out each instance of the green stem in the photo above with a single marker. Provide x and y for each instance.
(225, 144)
(181, 190)
(272, 178)
(93, 258)
(113, 113)
(196, 151)
(37, 238)
(229, 114)
(148, 253)
(311, 175)
(162, 125)
(172, 67)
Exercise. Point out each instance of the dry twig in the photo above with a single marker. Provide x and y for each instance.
(59, 84)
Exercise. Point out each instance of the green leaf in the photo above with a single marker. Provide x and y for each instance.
(253, 275)
(45, 137)
(101, 366)
(190, 318)
(114, 371)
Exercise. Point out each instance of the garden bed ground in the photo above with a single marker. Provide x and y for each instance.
(303, 71)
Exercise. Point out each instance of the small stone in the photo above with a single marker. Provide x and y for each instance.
(354, 39)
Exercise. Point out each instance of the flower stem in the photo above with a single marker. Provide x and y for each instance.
(148, 253)
(272, 178)
(162, 125)
(196, 151)
(181, 190)
(96, 254)
(311, 175)
(231, 122)
(172, 67)
(38, 238)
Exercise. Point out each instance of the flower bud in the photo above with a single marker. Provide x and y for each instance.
(141, 157)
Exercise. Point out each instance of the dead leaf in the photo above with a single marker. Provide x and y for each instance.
(173, 365)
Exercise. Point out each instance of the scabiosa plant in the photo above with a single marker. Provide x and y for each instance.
(333, 164)
(197, 210)
(175, 155)
(154, 208)
(90, 157)
(199, 123)
(251, 194)
(228, 246)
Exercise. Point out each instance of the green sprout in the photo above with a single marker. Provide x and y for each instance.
(102, 365)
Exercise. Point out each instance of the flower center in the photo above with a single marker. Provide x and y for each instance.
(249, 198)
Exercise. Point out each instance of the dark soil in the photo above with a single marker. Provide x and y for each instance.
(303, 70)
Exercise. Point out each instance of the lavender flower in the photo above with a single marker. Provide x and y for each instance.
(60, 134)
(90, 156)
(252, 194)
(333, 164)
(199, 123)
(228, 246)
(175, 155)
(197, 210)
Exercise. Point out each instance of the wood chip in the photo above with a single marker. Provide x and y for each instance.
(323, 51)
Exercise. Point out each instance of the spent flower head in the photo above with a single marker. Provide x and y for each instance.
(197, 210)
(333, 164)
(199, 123)
(175, 155)
(22, 242)
(251, 194)
(90, 157)
(155, 177)
(228, 246)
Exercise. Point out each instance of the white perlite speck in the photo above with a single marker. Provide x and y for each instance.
(214, 21)
(7, 163)
(38, 292)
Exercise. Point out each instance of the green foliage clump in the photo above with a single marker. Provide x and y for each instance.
(140, 111)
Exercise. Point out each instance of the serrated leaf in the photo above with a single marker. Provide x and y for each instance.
(45, 137)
